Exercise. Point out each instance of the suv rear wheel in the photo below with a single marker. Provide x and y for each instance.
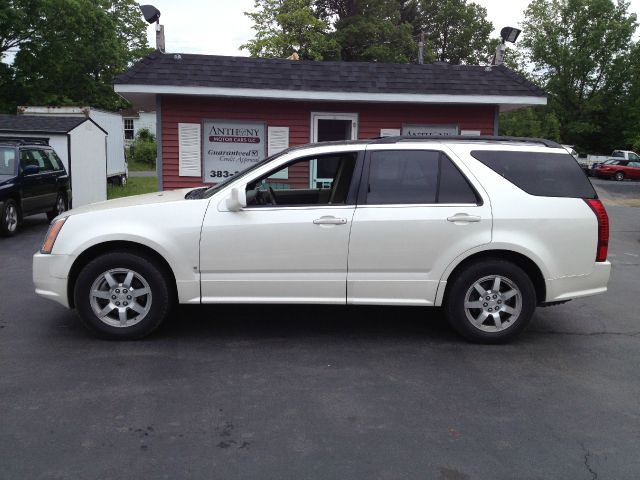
(59, 207)
(121, 295)
(490, 301)
(9, 218)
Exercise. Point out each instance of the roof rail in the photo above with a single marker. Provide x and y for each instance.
(466, 138)
(25, 140)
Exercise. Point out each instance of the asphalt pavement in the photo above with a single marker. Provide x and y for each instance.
(316, 392)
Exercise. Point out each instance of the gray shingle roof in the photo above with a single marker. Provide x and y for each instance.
(261, 73)
(45, 124)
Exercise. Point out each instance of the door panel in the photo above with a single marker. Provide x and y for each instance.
(397, 254)
(275, 255)
(418, 213)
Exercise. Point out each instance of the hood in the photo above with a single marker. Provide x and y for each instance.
(135, 200)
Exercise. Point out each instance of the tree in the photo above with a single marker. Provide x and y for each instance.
(579, 51)
(457, 31)
(143, 151)
(373, 30)
(73, 52)
(284, 27)
(538, 122)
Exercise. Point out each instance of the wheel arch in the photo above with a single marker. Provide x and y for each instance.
(530, 267)
(116, 246)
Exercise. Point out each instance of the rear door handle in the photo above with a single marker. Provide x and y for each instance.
(464, 218)
(330, 221)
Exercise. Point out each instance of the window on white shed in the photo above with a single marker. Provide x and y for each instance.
(128, 128)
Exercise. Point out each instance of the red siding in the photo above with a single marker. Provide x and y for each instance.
(297, 116)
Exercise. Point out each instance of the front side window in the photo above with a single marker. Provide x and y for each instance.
(416, 177)
(633, 156)
(291, 185)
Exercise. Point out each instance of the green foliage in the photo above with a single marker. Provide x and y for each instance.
(134, 186)
(284, 27)
(144, 148)
(374, 31)
(71, 52)
(457, 31)
(579, 51)
(531, 122)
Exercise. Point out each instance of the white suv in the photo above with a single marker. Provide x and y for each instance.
(486, 227)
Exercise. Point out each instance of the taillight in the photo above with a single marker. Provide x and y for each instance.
(603, 228)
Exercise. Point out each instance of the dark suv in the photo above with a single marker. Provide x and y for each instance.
(32, 180)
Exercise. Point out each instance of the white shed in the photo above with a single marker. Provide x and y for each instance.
(80, 143)
(117, 168)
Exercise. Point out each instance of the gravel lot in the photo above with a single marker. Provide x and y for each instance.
(323, 392)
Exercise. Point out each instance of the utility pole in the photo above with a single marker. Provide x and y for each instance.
(421, 49)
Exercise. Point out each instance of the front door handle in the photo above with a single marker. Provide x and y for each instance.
(328, 220)
(463, 218)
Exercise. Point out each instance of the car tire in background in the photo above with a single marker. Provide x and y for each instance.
(9, 218)
(122, 295)
(619, 176)
(59, 207)
(490, 301)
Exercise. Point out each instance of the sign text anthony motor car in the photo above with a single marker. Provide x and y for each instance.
(230, 146)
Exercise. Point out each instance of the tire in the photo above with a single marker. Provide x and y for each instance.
(514, 299)
(619, 176)
(60, 207)
(9, 219)
(131, 314)
(122, 181)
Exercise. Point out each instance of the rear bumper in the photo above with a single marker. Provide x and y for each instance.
(50, 276)
(566, 288)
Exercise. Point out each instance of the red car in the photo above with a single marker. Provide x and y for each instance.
(618, 169)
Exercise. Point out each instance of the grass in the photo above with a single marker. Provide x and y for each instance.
(135, 186)
(140, 167)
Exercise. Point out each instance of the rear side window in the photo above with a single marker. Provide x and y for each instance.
(540, 174)
(416, 177)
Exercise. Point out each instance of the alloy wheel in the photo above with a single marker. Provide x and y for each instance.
(493, 303)
(120, 297)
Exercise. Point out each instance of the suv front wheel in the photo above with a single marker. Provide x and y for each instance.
(121, 295)
(490, 301)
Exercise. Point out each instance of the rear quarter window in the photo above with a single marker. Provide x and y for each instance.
(540, 174)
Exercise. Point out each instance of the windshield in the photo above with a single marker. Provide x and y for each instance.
(211, 190)
(612, 162)
(7, 161)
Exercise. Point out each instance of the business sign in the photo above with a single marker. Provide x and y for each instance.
(231, 146)
(429, 130)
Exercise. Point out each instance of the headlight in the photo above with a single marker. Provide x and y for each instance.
(52, 234)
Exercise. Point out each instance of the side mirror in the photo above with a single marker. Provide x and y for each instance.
(31, 169)
(237, 200)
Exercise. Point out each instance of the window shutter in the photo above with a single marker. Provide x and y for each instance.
(278, 139)
(189, 150)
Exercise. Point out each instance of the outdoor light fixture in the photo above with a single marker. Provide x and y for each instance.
(508, 34)
(152, 15)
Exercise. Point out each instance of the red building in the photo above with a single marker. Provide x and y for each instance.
(218, 115)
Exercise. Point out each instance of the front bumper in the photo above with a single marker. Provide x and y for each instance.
(566, 288)
(50, 276)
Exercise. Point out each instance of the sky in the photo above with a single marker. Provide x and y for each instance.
(219, 27)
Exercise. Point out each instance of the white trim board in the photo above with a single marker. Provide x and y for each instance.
(329, 96)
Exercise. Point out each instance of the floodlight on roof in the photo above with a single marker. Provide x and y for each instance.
(509, 34)
(151, 14)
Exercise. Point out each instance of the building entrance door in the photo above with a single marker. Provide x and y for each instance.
(327, 127)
